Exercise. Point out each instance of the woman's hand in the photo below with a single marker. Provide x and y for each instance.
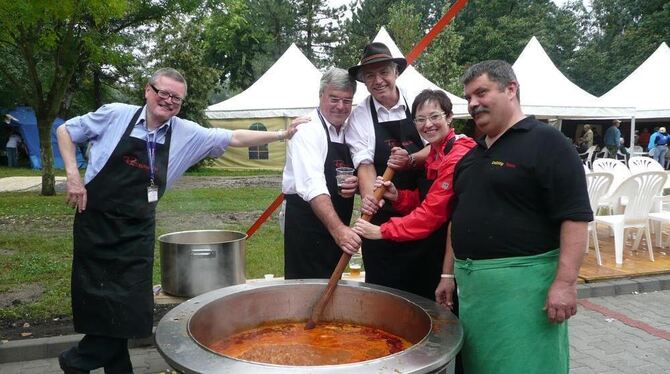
(367, 230)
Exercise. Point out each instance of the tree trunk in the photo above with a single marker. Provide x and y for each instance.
(48, 179)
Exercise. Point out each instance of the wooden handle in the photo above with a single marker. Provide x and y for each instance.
(341, 265)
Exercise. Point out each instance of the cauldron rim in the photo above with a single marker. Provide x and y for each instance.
(186, 354)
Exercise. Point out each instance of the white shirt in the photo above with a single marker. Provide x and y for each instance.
(360, 133)
(305, 157)
(13, 141)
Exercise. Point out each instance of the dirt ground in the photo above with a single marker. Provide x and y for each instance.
(62, 325)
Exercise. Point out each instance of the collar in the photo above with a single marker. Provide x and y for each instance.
(142, 121)
(438, 151)
(329, 125)
(400, 104)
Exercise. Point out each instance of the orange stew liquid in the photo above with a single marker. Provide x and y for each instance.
(329, 343)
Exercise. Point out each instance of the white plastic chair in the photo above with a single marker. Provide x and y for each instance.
(618, 169)
(639, 164)
(639, 190)
(587, 157)
(586, 169)
(597, 185)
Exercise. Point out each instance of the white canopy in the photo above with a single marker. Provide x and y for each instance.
(290, 88)
(646, 87)
(547, 93)
(411, 81)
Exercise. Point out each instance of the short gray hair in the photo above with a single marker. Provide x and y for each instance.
(338, 78)
(498, 71)
(170, 73)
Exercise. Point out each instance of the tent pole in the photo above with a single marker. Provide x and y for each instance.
(632, 131)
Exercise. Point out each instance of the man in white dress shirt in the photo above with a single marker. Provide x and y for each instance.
(317, 214)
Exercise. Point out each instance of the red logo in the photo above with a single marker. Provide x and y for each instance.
(134, 162)
(340, 164)
(393, 143)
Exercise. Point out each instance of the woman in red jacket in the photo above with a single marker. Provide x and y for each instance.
(428, 208)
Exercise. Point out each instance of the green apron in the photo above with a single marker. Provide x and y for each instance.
(501, 310)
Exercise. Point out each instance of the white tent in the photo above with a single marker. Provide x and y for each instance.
(410, 80)
(290, 88)
(645, 88)
(547, 93)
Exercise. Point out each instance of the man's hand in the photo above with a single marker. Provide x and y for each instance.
(561, 303)
(347, 240)
(444, 293)
(349, 187)
(293, 127)
(370, 205)
(76, 193)
(399, 159)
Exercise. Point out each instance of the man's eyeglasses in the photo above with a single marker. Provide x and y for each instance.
(432, 118)
(166, 95)
(337, 100)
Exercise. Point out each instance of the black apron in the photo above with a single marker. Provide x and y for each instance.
(114, 243)
(400, 265)
(309, 249)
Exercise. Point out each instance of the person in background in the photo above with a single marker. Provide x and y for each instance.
(12, 149)
(381, 134)
(586, 140)
(611, 139)
(622, 150)
(643, 140)
(660, 146)
(519, 229)
(317, 214)
(652, 141)
(137, 152)
(427, 209)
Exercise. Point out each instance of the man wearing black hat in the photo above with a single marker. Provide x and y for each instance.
(381, 134)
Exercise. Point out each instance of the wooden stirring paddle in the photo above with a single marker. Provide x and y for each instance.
(339, 269)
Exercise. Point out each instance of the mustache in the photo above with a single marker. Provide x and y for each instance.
(478, 110)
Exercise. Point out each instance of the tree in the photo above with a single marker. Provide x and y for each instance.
(618, 36)
(317, 29)
(53, 43)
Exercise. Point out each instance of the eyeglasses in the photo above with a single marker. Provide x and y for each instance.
(166, 95)
(432, 118)
(337, 100)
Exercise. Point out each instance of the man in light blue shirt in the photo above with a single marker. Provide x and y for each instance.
(612, 136)
(136, 153)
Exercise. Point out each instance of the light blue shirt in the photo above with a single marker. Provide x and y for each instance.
(612, 136)
(104, 128)
(652, 141)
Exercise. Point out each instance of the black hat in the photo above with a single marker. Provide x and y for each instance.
(374, 53)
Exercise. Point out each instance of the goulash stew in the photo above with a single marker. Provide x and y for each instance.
(329, 343)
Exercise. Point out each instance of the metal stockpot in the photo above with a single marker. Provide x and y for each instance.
(184, 333)
(194, 262)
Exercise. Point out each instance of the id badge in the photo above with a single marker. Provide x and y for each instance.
(152, 194)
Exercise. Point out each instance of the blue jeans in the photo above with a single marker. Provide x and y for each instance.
(12, 157)
(659, 154)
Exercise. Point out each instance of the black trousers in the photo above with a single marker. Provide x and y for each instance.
(94, 352)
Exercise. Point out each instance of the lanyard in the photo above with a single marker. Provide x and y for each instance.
(151, 150)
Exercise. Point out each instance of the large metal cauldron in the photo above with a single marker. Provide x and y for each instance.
(182, 336)
(194, 262)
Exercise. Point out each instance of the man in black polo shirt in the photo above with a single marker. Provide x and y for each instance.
(519, 230)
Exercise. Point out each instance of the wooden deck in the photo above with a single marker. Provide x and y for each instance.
(635, 264)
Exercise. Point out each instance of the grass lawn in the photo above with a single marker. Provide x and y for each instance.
(36, 235)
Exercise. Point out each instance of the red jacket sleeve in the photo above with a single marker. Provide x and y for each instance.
(406, 202)
(436, 208)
